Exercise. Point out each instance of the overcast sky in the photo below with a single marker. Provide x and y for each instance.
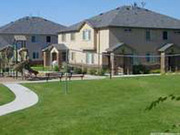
(68, 12)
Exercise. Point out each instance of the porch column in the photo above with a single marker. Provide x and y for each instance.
(58, 58)
(163, 62)
(112, 63)
(45, 58)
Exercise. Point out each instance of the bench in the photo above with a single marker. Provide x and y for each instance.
(70, 76)
(49, 76)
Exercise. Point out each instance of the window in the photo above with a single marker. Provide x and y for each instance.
(63, 37)
(33, 39)
(89, 58)
(63, 56)
(148, 57)
(35, 55)
(148, 35)
(177, 32)
(72, 36)
(165, 35)
(87, 35)
(72, 56)
(48, 39)
(127, 29)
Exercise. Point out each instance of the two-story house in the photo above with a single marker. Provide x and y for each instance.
(124, 31)
(34, 33)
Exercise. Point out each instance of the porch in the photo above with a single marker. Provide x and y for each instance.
(54, 54)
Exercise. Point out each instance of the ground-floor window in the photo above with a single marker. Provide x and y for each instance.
(151, 58)
(63, 56)
(35, 55)
(89, 58)
(73, 56)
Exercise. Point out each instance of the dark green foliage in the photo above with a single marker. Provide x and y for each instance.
(92, 71)
(56, 68)
(140, 69)
(161, 100)
(77, 70)
(101, 72)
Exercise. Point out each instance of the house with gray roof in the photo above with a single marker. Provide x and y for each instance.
(124, 31)
(34, 33)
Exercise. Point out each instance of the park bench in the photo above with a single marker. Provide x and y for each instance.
(49, 76)
(71, 75)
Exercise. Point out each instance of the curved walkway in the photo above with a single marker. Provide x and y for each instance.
(24, 98)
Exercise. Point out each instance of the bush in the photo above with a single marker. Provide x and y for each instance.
(78, 70)
(56, 68)
(84, 70)
(140, 69)
(65, 68)
(155, 71)
(92, 71)
(101, 72)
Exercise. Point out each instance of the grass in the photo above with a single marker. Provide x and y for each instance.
(41, 68)
(104, 107)
(6, 95)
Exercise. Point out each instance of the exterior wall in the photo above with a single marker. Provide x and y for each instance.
(137, 39)
(98, 44)
(33, 47)
(108, 37)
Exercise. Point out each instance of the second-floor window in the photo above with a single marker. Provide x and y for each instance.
(73, 37)
(48, 39)
(165, 35)
(63, 37)
(87, 35)
(33, 39)
(148, 35)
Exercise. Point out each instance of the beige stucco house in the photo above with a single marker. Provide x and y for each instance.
(109, 38)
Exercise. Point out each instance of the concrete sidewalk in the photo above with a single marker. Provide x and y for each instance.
(25, 98)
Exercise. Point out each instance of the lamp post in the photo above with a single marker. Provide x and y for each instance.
(66, 81)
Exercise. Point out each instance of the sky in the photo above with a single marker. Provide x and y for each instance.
(68, 12)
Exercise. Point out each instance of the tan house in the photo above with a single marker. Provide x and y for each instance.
(109, 38)
(33, 33)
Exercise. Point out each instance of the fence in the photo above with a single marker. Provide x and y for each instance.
(122, 63)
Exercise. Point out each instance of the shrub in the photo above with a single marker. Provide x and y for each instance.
(155, 71)
(65, 68)
(140, 69)
(101, 72)
(92, 71)
(56, 68)
(84, 70)
(78, 70)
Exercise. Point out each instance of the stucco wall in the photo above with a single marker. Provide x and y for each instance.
(33, 47)
(98, 44)
(137, 39)
(107, 37)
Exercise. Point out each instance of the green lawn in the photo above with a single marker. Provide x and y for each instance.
(6, 95)
(104, 107)
(41, 68)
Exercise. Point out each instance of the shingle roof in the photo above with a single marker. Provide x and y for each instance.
(129, 16)
(32, 25)
(59, 47)
(165, 47)
(111, 49)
